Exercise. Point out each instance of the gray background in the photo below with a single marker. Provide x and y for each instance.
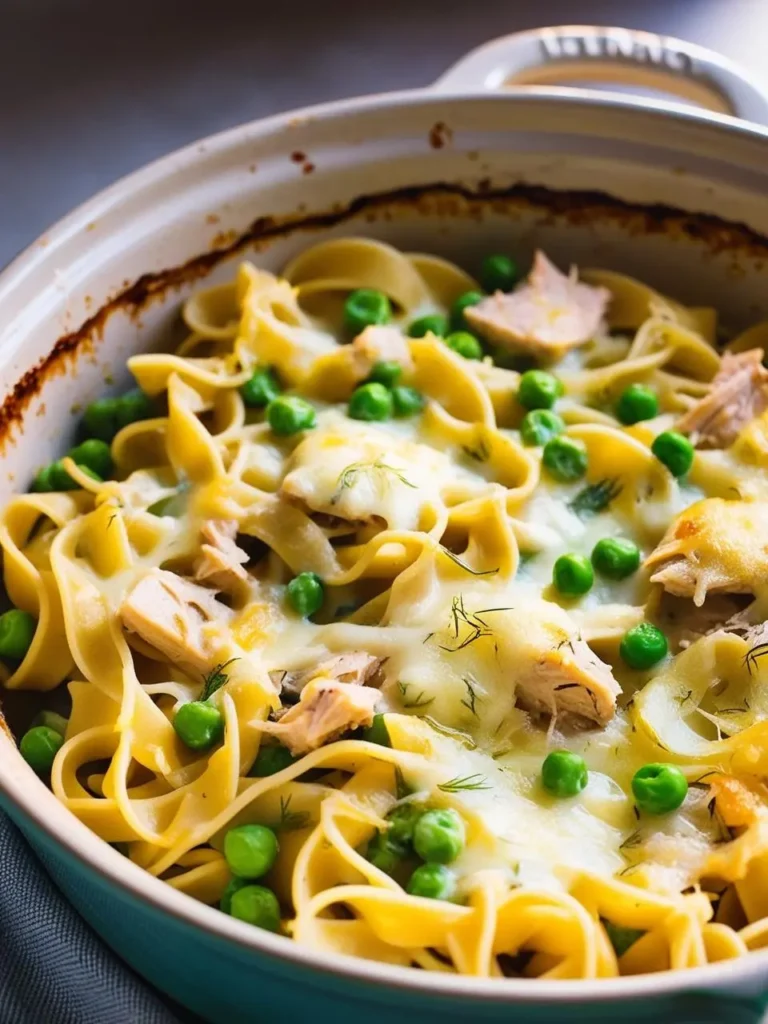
(94, 88)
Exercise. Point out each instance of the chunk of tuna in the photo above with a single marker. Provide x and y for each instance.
(714, 547)
(174, 616)
(547, 315)
(220, 562)
(352, 667)
(326, 710)
(378, 344)
(738, 394)
(569, 680)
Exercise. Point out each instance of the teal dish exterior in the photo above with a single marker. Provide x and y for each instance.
(226, 983)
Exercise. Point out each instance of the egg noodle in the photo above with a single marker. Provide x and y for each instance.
(434, 535)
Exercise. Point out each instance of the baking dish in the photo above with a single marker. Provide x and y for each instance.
(672, 195)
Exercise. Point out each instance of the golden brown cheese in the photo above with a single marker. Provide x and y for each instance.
(714, 546)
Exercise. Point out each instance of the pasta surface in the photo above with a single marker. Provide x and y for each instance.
(443, 664)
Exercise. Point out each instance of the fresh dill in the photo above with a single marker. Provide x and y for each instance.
(480, 452)
(595, 497)
(635, 839)
(470, 701)
(291, 821)
(750, 658)
(472, 622)
(215, 679)
(465, 783)
(419, 701)
(349, 476)
(468, 568)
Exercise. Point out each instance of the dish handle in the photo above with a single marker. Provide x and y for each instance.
(621, 56)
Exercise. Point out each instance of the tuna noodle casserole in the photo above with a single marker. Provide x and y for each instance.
(420, 618)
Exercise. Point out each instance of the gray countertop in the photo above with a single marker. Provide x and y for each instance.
(96, 88)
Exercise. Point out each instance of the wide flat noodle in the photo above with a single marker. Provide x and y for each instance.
(435, 537)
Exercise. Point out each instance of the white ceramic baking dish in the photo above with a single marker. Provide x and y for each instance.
(674, 195)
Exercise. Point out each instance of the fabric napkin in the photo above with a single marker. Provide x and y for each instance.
(53, 968)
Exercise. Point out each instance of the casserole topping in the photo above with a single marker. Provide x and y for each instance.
(371, 639)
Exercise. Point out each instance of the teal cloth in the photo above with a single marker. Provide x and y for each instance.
(53, 968)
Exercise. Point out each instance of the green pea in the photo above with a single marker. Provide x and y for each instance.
(256, 905)
(538, 390)
(250, 850)
(565, 459)
(199, 725)
(377, 732)
(132, 407)
(458, 320)
(260, 389)
(572, 575)
(225, 903)
(270, 760)
(616, 557)
(305, 593)
(434, 323)
(402, 823)
(371, 402)
(100, 419)
(643, 646)
(499, 273)
(564, 774)
(95, 455)
(432, 882)
(384, 853)
(439, 835)
(621, 938)
(52, 720)
(39, 747)
(635, 404)
(55, 478)
(539, 426)
(464, 344)
(659, 788)
(288, 414)
(17, 631)
(406, 401)
(675, 451)
(61, 479)
(387, 373)
(365, 307)
(42, 484)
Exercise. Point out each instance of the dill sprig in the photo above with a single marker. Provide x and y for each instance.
(470, 701)
(291, 821)
(465, 783)
(480, 452)
(474, 623)
(467, 568)
(215, 679)
(349, 476)
(595, 498)
(752, 655)
(418, 701)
